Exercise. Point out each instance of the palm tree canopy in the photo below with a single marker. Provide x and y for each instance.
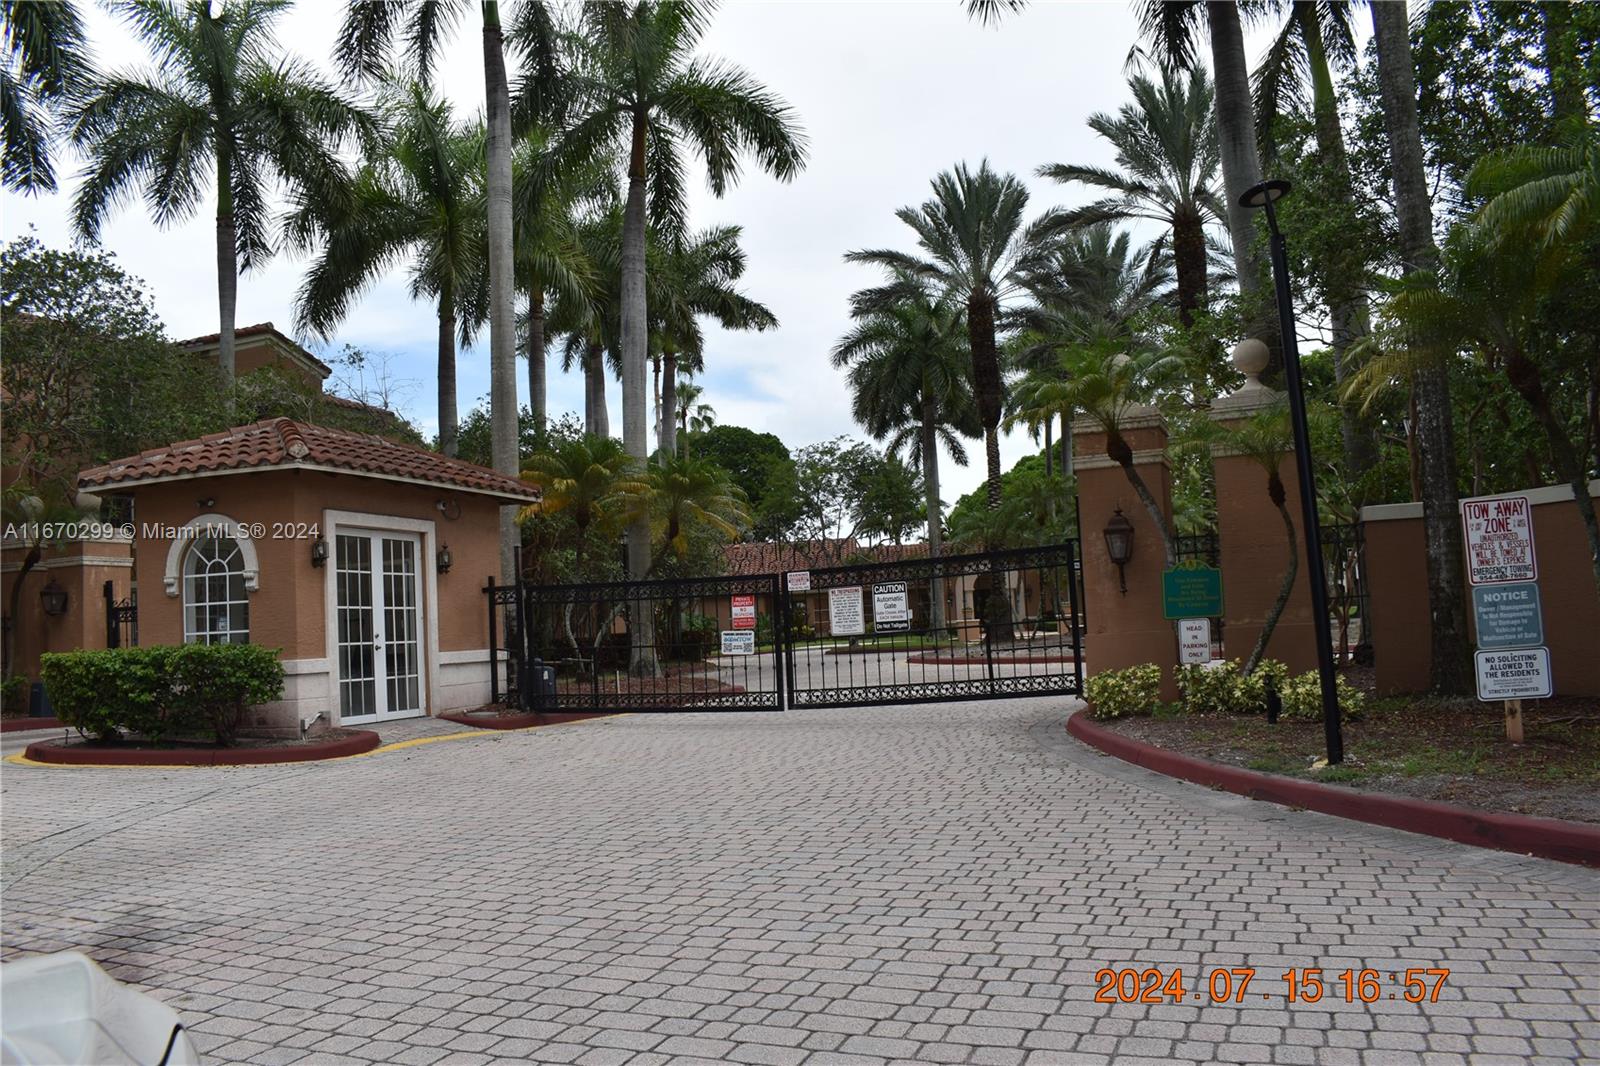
(421, 196)
(685, 493)
(694, 277)
(46, 57)
(1166, 145)
(1550, 192)
(219, 93)
(591, 478)
(628, 61)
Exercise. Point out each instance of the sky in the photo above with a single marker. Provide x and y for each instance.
(889, 94)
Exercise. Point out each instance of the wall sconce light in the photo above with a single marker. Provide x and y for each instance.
(53, 598)
(1119, 545)
(442, 561)
(319, 551)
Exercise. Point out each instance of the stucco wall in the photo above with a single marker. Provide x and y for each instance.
(81, 568)
(1397, 575)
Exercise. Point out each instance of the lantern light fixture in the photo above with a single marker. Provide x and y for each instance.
(1119, 545)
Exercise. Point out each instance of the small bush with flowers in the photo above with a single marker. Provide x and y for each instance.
(1119, 693)
(1302, 697)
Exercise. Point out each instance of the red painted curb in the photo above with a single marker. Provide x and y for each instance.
(1548, 838)
(52, 751)
(24, 725)
(978, 660)
(523, 721)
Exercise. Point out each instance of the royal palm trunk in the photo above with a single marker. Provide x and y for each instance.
(669, 403)
(538, 370)
(642, 660)
(227, 264)
(930, 483)
(1450, 672)
(502, 338)
(448, 426)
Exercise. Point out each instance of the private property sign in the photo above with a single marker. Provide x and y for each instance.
(744, 610)
(1499, 532)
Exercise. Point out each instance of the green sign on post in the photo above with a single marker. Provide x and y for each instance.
(1191, 592)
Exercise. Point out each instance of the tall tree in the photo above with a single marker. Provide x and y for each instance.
(46, 59)
(365, 42)
(221, 107)
(910, 382)
(1166, 145)
(637, 86)
(690, 278)
(1315, 38)
(975, 246)
(1450, 671)
(420, 195)
(1171, 28)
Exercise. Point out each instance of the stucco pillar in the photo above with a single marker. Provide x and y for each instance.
(1125, 629)
(1254, 545)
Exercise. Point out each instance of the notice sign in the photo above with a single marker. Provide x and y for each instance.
(738, 642)
(1508, 616)
(1514, 674)
(1191, 592)
(1499, 532)
(845, 616)
(744, 611)
(799, 581)
(891, 613)
(1194, 640)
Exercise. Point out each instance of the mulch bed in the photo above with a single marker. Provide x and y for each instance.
(332, 744)
(1450, 751)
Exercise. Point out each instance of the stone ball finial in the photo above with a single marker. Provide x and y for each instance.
(1250, 357)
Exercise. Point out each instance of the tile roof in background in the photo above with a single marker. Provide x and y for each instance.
(282, 443)
(766, 557)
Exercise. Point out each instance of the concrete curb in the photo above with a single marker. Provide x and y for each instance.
(1548, 838)
(51, 751)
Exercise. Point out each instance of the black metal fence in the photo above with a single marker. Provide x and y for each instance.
(956, 628)
(1344, 549)
(672, 645)
(122, 618)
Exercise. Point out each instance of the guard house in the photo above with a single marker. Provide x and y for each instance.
(363, 560)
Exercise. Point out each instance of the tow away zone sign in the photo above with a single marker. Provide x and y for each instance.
(1499, 531)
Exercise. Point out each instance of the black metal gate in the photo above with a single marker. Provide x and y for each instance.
(962, 627)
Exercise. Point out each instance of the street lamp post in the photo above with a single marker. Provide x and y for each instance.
(1263, 196)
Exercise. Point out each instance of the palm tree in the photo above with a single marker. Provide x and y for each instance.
(1167, 148)
(1171, 28)
(1548, 193)
(1314, 39)
(46, 58)
(693, 415)
(690, 278)
(1265, 438)
(976, 248)
(365, 41)
(909, 377)
(636, 86)
(221, 107)
(422, 197)
(1450, 672)
(686, 493)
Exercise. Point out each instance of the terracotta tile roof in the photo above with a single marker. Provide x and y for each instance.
(765, 557)
(259, 329)
(284, 443)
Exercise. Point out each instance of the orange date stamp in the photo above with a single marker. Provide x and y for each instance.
(1232, 985)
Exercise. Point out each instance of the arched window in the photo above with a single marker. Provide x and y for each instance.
(216, 609)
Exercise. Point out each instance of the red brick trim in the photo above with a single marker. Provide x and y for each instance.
(53, 751)
(23, 725)
(1548, 838)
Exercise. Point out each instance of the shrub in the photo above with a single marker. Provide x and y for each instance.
(1222, 688)
(1302, 696)
(214, 683)
(1118, 693)
(14, 696)
(157, 692)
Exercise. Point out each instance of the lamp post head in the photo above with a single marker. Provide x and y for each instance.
(1264, 193)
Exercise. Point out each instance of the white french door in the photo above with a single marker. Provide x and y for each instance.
(378, 615)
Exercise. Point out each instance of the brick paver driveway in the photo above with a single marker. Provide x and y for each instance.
(930, 884)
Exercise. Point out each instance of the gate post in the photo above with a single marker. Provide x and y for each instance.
(1254, 544)
(1125, 629)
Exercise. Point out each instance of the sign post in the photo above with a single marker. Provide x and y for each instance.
(1512, 662)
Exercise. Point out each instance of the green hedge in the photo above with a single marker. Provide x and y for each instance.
(1120, 693)
(160, 692)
